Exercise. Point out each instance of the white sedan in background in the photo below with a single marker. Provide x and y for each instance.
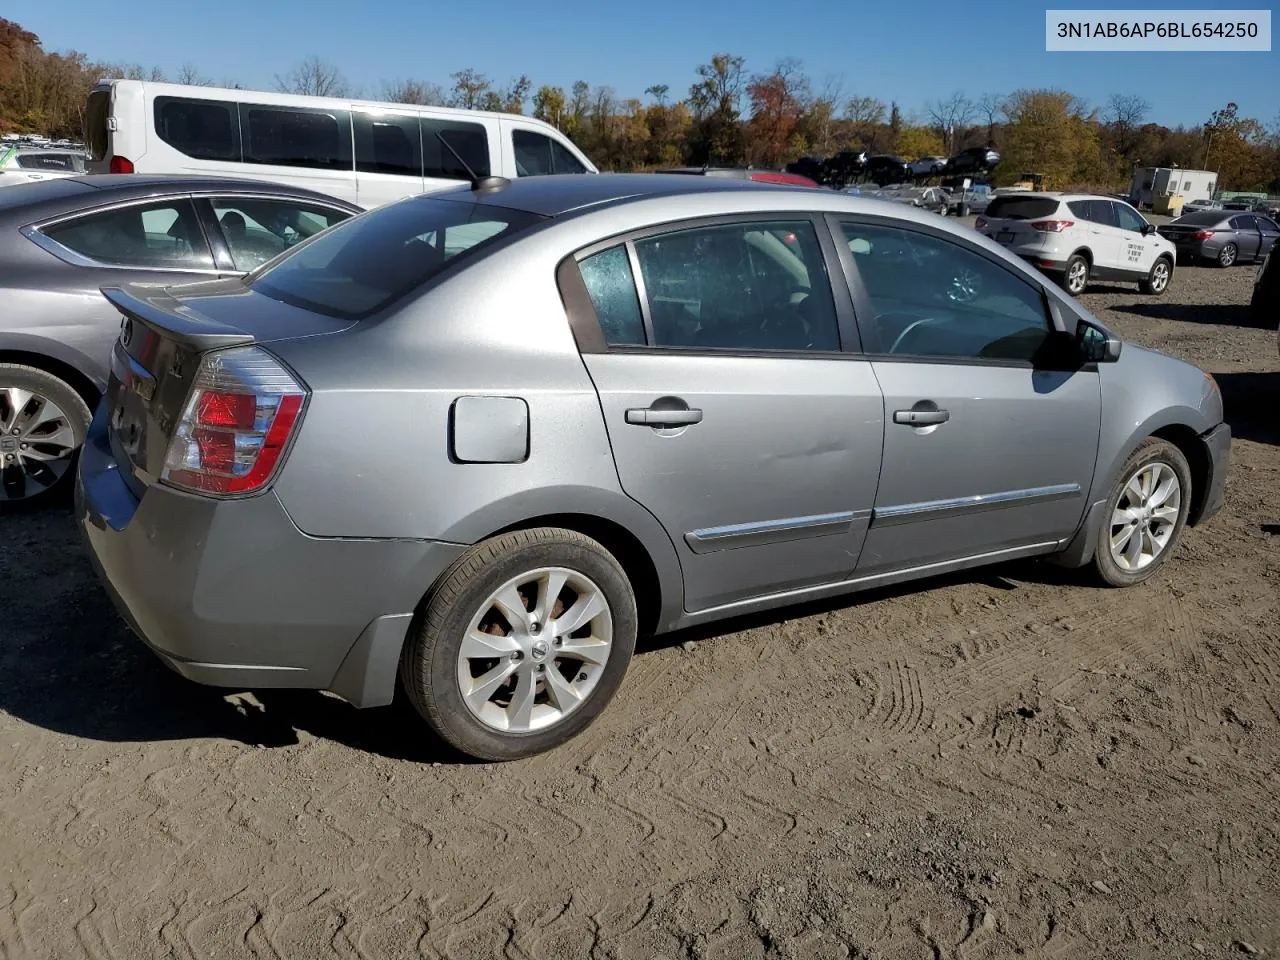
(26, 165)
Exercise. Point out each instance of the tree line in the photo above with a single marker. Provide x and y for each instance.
(730, 115)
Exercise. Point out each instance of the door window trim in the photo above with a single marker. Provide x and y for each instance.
(862, 308)
(589, 334)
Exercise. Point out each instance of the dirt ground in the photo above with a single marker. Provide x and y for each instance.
(1010, 763)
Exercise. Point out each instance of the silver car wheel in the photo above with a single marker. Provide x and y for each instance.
(37, 443)
(1145, 516)
(1077, 276)
(1227, 256)
(1159, 276)
(535, 650)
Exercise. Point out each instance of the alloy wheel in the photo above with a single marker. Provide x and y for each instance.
(1077, 276)
(1159, 276)
(1228, 255)
(535, 650)
(37, 443)
(1145, 516)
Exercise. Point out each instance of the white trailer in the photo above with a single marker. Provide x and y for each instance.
(1151, 183)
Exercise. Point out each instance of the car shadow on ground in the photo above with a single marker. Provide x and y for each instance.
(1251, 404)
(1210, 314)
(68, 664)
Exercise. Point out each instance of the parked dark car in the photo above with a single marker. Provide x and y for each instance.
(810, 167)
(842, 169)
(62, 240)
(883, 169)
(746, 173)
(973, 160)
(1224, 237)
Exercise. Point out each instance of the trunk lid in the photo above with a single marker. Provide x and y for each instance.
(163, 335)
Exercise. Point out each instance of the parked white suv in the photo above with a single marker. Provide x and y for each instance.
(24, 165)
(1076, 238)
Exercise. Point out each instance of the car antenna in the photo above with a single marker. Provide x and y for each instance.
(478, 184)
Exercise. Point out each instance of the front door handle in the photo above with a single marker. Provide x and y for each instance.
(921, 418)
(649, 417)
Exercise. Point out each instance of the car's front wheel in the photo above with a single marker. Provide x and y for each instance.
(522, 644)
(1157, 281)
(43, 422)
(1145, 515)
(1076, 275)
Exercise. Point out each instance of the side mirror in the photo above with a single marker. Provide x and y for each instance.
(1097, 345)
(1148, 229)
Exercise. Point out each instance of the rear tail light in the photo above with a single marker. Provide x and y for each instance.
(121, 165)
(1052, 226)
(1204, 234)
(980, 223)
(241, 413)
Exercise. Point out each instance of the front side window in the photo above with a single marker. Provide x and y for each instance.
(755, 286)
(258, 230)
(365, 263)
(289, 137)
(931, 297)
(538, 155)
(164, 235)
(201, 129)
(1129, 218)
(470, 141)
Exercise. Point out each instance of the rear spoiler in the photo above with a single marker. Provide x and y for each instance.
(172, 319)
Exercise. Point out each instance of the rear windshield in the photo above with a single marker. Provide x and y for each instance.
(95, 124)
(1021, 208)
(1201, 218)
(365, 263)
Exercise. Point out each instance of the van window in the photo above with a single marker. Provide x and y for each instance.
(387, 143)
(289, 137)
(95, 124)
(470, 140)
(538, 155)
(201, 129)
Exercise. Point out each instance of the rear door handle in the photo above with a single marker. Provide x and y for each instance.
(649, 417)
(921, 418)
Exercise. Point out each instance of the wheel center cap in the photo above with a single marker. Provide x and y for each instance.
(8, 444)
(538, 650)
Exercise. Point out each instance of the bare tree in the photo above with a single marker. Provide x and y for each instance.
(413, 91)
(1125, 113)
(990, 106)
(949, 114)
(864, 110)
(189, 75)
(315, 78)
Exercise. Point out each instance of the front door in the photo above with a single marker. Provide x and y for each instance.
(988, 448)
(733, 414)
(1137, 250)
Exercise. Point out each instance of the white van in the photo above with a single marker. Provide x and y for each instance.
(366, 152)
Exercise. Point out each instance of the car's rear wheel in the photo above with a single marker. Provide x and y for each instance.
(523, 643)
(1145, 514)
(1227, 255)
(1076, 275)
(1157, 281)
(43, 422)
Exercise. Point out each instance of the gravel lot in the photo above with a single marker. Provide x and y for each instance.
(1011, 763)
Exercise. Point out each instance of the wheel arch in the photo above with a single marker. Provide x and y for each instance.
(62, 367)
(1192, 447)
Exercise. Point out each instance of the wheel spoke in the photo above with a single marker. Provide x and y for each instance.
(1119, 540)
(1165, 514)
(478, 645)
(511, 606)
(561, 691)
(1123, 516)
(1133, 489)
(1133, 549)
(45, 413)
(483, 687)
(17, 399)
(586, 650)
(585, 609)
(1166, 488)
(520, 712)
(549, 588)
(1149, 544)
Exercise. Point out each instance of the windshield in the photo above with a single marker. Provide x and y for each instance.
(365, 263)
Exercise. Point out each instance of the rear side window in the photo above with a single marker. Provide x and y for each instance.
(1021, 208)
(96, 112)
(288, 137)
(365, 263)
(469, 140)
(388, 143)
(201, 129)
(163, 235)
(538, 155)
(608, 279)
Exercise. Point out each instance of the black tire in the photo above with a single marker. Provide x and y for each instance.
(429, 665)
(1075, 275)
(1155, 285)
(1228, 255)
(1151, 451)
(22, 489)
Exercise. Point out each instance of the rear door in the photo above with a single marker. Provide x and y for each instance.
(990, 439)
(388, 147)
(1101, 231)
(734, 415)
(1269, 233)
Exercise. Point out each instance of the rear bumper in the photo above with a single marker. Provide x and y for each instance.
(230, 593)
(1217, 444)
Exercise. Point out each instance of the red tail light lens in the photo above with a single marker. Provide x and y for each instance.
(1052, 226)
(1204, 234)
(121, 165)
(243, 409)
(980, 223)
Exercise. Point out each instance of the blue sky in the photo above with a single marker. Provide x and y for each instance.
(904, 52)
